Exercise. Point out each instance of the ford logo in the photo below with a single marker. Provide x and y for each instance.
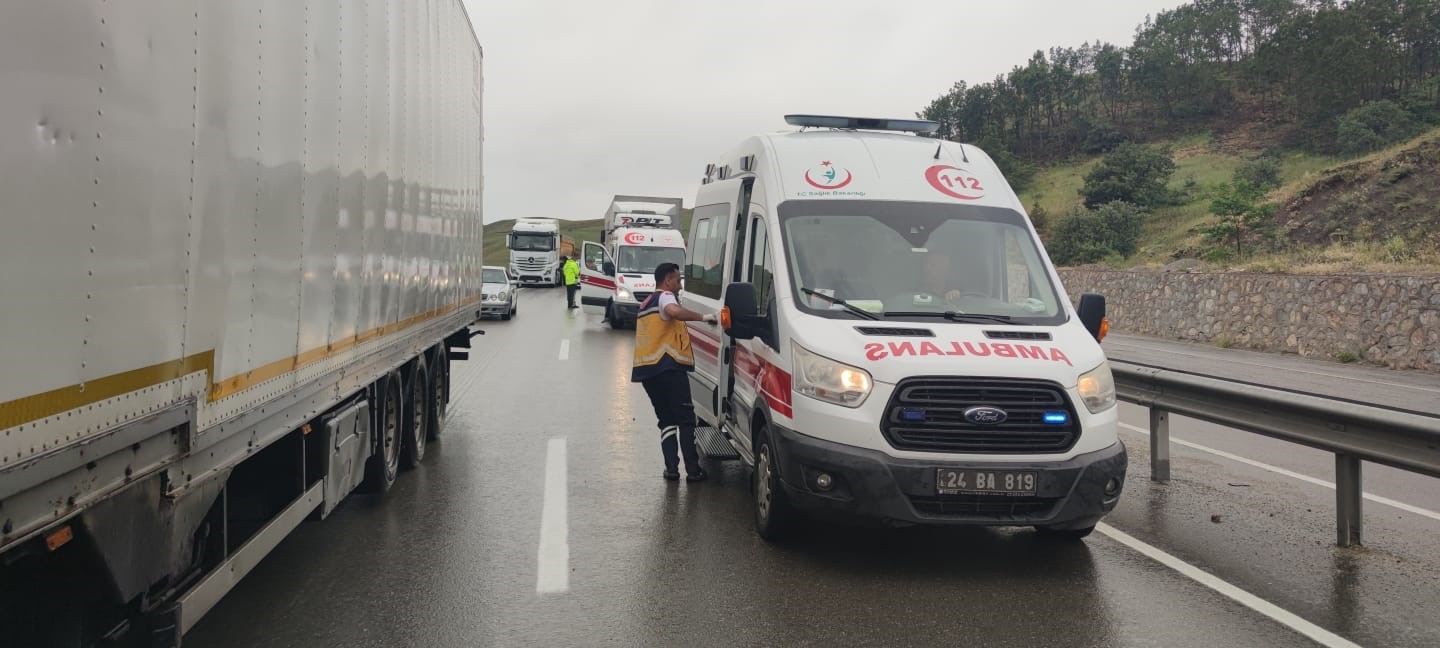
(986, 415)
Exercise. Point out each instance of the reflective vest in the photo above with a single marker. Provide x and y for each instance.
(572, 272)
(660, 345)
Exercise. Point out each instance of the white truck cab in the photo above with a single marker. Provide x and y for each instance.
(618, 273)
(894, 342)
(534, 245)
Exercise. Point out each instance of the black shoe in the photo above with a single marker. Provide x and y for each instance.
(672, 475)
(697, 476)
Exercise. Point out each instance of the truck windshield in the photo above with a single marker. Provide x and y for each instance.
(917, 261)
(643, 259)
(492, 276)
(532, 242)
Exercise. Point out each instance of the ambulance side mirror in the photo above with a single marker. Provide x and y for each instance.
(1092, 314)
(744, 323)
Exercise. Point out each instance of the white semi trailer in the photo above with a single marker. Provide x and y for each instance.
(241, 240)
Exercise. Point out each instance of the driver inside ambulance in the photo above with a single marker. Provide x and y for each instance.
(936, 278)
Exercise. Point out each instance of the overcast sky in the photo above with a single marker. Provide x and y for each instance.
(586, 99)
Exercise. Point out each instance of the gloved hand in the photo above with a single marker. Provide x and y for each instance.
(709, 318)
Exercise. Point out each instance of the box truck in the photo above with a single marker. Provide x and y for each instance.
(242, 248)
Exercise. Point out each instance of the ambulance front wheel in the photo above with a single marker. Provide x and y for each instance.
(775, 518)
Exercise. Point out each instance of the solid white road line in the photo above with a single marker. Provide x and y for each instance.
(565, 349)
(1313, 632)
(553, 574)
(1288, 473)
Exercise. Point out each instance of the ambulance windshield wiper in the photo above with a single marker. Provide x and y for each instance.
(957, 316)
(842, 303)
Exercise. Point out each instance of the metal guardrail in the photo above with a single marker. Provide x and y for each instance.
(1353, 432)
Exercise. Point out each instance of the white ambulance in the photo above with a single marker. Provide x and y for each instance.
(615, 278)
(894, 342)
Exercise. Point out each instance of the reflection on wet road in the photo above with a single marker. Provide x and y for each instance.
(455, 554)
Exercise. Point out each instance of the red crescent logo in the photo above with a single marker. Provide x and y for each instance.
(954, 182)
(846, 181)
(634, 238)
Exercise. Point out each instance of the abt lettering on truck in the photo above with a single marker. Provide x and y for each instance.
(876, 351)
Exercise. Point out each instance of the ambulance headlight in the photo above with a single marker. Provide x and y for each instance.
(824, 379)
(622, 293)
(1097, 388)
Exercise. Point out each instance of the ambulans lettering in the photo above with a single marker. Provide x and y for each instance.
(876, 351)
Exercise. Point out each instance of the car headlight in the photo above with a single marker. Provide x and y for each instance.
(833, 382)
(1097, 388)
(502, 296)
(622, 293)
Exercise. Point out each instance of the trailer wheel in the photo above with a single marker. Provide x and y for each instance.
(417, 425)
(440, 401)
(384, 466)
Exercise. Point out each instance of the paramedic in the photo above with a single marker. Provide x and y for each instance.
(663, 360)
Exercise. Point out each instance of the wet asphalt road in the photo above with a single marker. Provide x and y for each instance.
(449, 556)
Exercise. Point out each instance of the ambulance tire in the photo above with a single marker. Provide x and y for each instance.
(1051, 533)
(775, 518)
(610, 315)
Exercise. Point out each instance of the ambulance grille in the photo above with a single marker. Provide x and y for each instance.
(1017, 335)
(928, 415)
(896, 332)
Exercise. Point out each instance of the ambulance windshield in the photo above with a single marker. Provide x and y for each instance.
(917, 261)
(643, 259)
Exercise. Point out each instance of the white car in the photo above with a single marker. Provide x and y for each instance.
(498, 292)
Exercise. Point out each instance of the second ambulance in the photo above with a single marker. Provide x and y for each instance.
(894, 342)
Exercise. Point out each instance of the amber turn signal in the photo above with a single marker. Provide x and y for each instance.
(725, 318)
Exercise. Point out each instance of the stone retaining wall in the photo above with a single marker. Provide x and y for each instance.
(1382, 318)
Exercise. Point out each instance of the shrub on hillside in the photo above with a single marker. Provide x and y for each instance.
(1131, 173)
(1374, 126)
(1090, 235)
(1262, 173)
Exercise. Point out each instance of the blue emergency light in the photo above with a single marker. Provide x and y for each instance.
(912, 415)
(866, 123)
(1057, 418)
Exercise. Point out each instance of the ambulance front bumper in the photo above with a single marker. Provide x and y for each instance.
(870, 485)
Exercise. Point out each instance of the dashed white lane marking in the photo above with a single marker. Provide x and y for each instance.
(553, 573)
(565, 349)
(1288, 473)
(1313, 632)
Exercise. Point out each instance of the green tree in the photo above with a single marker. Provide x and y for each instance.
(1090, 235)
(1131, 173)
(1244, 222)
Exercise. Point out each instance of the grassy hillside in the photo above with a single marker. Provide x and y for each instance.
(1379, 212)
(580, 230)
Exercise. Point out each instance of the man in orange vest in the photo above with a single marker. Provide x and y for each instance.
(663, 361)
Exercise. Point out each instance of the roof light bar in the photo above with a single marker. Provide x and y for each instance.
(863, 123)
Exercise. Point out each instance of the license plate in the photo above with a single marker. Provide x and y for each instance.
(1003, 482)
